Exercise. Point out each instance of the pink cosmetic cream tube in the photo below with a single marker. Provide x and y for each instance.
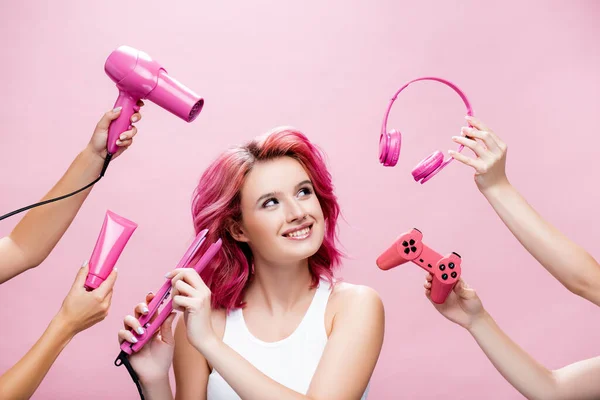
(113, 237)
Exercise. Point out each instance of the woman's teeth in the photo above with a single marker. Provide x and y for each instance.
(299, 234)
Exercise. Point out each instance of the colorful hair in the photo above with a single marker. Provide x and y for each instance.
(216, 203)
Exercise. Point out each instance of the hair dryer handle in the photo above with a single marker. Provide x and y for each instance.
(123, 122)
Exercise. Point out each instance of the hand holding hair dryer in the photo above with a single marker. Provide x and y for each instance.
(140, 77)
(137, 77)
(114, 235)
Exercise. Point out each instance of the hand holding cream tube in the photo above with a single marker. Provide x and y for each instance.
(113, 237)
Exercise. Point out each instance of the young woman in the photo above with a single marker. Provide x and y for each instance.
(267, 319)
(569, 263)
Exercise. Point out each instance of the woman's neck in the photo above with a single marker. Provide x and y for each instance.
(279, 288)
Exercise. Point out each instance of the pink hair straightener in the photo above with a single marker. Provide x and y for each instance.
(150, 324)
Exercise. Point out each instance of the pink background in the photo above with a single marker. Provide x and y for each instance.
(328, 68)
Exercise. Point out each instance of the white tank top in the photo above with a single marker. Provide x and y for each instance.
(291, 362)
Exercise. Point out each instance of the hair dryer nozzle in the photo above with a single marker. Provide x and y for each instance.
(175, 97)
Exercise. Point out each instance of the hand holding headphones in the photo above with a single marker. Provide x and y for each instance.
(490, 151)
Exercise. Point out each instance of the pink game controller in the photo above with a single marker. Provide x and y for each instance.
(410, 247)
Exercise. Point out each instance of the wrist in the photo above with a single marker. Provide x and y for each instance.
(479, 323)
(207, 344)
(154, 381)
(496, 190)
(92, 154)
(63, 327)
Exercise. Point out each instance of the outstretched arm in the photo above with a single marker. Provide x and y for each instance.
(34, 237)
(577, 381)
(572, 265)
(80, 310)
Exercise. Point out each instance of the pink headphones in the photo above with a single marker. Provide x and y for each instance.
(390, 141)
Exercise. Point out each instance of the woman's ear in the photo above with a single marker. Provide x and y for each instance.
(236, 231)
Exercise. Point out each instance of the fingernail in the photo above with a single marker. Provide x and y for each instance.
(122, 137)
(135, 118)
(150, 293)
(167, 275)
(140, 330)
(145, 310)
(85, 263)
(119, 142)
(450, 151)
(468, 117)
(117, 109)
(134, 339)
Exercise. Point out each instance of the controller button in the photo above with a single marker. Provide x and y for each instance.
(417, 230)
(442, 267)
(429, 265)
(405, 243)
(444, 276)
(414, 249)
(451, 265)
(456, 254)
(412, 242)
(421, 260)
(406, 250)
(453, 274)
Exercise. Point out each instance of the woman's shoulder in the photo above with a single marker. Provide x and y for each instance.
(352, 297)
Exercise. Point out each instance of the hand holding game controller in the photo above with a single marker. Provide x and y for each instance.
(445, 270)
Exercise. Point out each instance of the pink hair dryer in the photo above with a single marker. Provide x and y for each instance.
(140, 77)
(155, 318)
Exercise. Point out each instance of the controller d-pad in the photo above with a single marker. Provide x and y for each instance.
(409, 246)
(442, 267)
(451, 265)
(444, 276)
(453, 274)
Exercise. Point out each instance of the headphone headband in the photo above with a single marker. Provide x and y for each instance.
(425, 78)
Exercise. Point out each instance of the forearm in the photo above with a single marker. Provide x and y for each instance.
(42, 227)
(157, 389)
(247, 381)
(524, 373)
(22, 380)
(574, 267)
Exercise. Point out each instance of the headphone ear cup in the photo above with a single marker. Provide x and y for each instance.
(428, 165)
(389, 147)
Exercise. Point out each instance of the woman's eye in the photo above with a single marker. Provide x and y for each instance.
(305, 191)
(269, 203)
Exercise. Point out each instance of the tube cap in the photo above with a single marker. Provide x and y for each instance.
(92, 281)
